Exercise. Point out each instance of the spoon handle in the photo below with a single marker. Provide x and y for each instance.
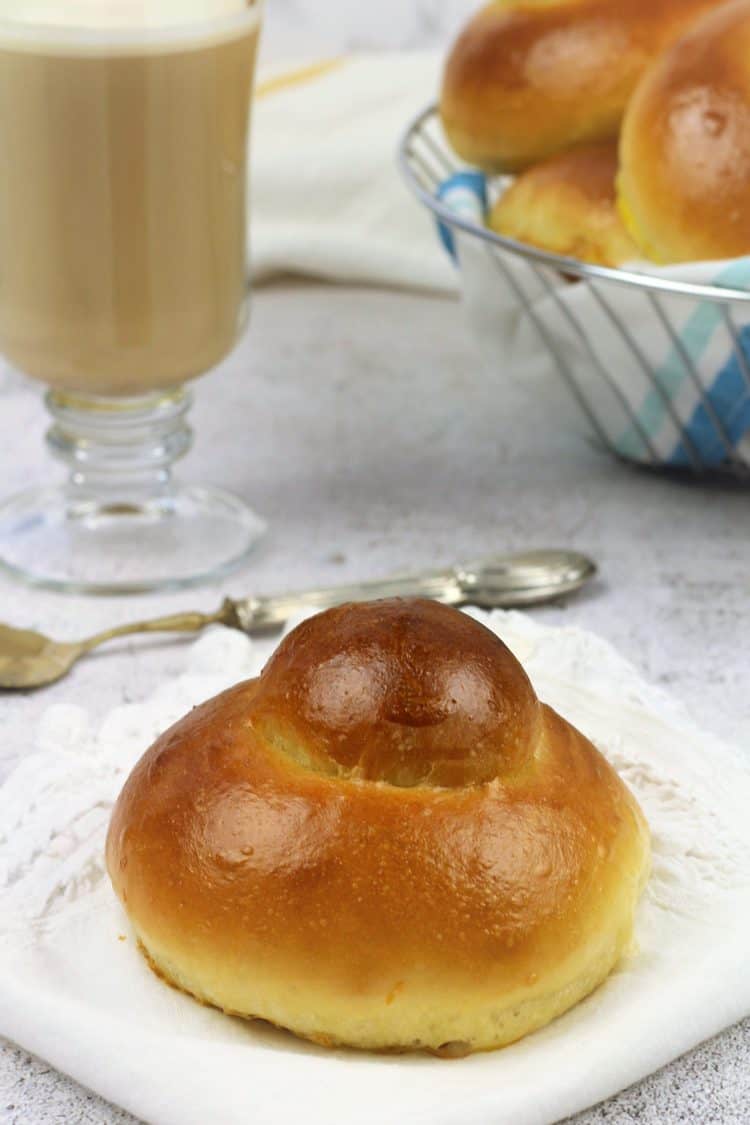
(495, 582)
(175, 623)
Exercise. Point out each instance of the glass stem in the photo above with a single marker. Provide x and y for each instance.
(119, 451)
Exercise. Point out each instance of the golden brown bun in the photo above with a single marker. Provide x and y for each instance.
(684, 181)
(384, 841)
(528, 79)
(567, 205)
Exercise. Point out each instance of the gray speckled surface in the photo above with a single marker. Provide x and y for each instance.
(31, 1091)
(361, 424)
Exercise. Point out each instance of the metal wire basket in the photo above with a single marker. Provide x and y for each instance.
(629, 305)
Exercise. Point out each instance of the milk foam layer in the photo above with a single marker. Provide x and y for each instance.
(132, 15)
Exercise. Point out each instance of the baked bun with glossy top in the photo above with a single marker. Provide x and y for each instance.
(384, 841)
(567, 205)
(684, 182)
(529, 78)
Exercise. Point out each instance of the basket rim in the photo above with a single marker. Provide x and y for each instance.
(558, 262)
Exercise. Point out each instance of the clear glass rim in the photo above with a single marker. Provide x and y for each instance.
(29, 36)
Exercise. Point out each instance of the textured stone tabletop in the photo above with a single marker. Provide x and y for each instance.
(361, 425)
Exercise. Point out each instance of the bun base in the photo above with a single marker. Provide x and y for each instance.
(378, 1024)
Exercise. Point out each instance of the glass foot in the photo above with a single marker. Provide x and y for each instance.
(62, 541)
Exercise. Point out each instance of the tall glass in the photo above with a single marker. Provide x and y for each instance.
(123, 274)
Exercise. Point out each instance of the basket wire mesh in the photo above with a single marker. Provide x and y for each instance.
(427, 162)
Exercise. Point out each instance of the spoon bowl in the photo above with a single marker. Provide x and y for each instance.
(29, 659)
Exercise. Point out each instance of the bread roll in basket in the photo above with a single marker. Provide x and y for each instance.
(530, 78)
(684, 180)
(384, 841)
(567, 205)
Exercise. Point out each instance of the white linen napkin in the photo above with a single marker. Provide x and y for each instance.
(75, 990)
(327, 200)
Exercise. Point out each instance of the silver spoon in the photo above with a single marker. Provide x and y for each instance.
(31, 660)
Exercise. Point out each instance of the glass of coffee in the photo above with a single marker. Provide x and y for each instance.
(123, 274)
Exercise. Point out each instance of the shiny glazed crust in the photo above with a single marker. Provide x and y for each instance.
(385, 841)
(529, 78)
(684, 183)
(567, 205)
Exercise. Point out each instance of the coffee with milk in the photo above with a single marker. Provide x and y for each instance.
(123, 133)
